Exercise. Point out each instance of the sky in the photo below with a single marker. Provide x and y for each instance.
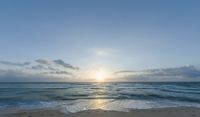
(75, 40)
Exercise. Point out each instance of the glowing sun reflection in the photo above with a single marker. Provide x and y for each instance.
(99, 104)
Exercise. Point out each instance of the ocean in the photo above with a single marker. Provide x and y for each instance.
(75, 97)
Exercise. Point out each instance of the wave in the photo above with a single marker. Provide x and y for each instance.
(107, 95)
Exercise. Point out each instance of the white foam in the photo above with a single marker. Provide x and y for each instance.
(120, 105)
(104, 104)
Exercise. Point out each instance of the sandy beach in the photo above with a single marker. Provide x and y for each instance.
(164, 112)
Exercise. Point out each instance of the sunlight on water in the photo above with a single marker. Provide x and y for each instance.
(99, 104)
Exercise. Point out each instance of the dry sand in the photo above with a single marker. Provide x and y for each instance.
(165, 112)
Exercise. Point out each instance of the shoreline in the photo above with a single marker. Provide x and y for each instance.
(154, 112)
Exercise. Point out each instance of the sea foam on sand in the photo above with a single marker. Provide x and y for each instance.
(103, 104)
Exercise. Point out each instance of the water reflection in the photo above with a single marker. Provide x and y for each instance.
(99, 104)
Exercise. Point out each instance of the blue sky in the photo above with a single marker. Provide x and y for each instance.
(110, 34)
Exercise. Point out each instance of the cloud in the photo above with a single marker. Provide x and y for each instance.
(15, 63)
(39, 70)
(52, 68)
(17, 75)
(61, 72)
(185, 73)
(42, 61)
(58, 73)
(65, 65)
(22, 76)
(39, 67)
(44, 65)
(125, 71)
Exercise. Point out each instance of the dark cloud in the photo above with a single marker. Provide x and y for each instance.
(59, 73)
(52, 68)
(20, 76)
(16, 75)
(39, 67)
(125, 71)
(65, 65)
(44, 65)
(12, 73)
(40, 70)
(50, 65)
(185, 73)
(15, 63)
(43, 61)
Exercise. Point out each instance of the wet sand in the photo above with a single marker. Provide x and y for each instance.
(165, 112)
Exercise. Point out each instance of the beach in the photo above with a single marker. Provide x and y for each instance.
(162, 112)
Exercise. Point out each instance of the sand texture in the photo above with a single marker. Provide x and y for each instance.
(165, 112)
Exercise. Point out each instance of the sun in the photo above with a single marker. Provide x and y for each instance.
(99, 75)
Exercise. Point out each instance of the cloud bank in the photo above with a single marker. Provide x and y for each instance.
(15, 63)
(65, 65)
(37, 71)
(43, 70)
(185, 73)
(43, 61)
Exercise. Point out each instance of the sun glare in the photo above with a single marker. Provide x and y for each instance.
(99, 75)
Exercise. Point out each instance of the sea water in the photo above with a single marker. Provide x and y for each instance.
(75, 97)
